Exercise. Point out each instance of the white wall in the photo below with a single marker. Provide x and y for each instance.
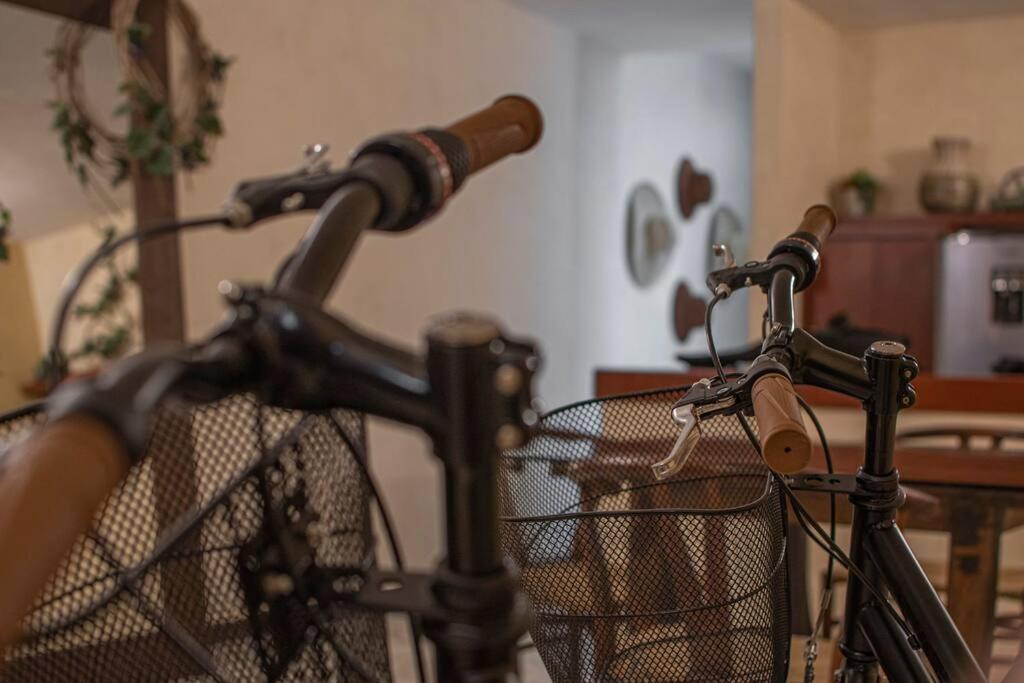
(342, 71)
(641, 113)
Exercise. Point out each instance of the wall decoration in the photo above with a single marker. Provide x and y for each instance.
(693, 188)
(687, 311)
(726, 229)
(649, 234)
(160, 137)
(1010, 194)
(109, 327)
(948, 186)
(163, 135)
(855, 195)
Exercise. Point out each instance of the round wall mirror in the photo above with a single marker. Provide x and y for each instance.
(649, 235)
(726, 228)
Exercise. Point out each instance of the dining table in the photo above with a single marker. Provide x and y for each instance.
(974, 495)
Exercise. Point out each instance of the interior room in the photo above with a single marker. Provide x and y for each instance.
(717, 376)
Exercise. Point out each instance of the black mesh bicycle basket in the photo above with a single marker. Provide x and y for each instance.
(183, 576)
(636, 579)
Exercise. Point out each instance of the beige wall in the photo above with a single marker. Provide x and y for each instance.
(951, 77)
(828, 101)
(340, 71)
(19, 349)
(797, 104)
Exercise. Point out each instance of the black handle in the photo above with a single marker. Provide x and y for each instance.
(818, 223)
(512, 125)
(439, 160)
(800, 252)
(414, 173)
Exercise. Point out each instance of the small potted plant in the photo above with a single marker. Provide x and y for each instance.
(855, 195)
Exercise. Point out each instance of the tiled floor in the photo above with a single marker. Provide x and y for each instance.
(532, 670)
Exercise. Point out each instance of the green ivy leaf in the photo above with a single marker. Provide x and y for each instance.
(122, 168)
(193, 153)
(123, 109)
(137, 33)
(160, 118)
(140, 142)
(218, 66)
(161, 163)
(61, 116)
(5, 220)
(209, 122)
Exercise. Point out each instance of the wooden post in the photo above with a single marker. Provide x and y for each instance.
(155, 201)
(175, 488)
(93, 12)
(174, 473)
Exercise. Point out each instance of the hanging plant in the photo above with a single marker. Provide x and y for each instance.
(5, 224)
(107, 322)
(160, 137)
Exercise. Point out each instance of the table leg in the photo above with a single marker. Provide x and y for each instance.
(796, 559)
(973, 572)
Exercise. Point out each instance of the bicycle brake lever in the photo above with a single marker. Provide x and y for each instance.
(708, 398)
(703, 399)
(673, 463)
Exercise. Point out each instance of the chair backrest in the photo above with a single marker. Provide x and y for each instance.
(966, 436)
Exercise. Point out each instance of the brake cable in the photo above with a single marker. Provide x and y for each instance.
(824, 541)
(76, 279)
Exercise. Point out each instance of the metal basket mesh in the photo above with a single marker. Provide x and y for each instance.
(632, 579)
(155, 591)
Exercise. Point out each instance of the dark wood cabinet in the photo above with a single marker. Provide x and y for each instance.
(883, 272)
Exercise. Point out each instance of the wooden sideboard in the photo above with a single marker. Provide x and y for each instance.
(883, 272)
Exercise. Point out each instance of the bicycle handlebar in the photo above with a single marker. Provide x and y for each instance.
(512, 125)
(785, 445)
(52, 486)
(397, 181)
(817, 225)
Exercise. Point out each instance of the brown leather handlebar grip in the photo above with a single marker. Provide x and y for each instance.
(51, 487)
(784, 442)
(819, 221)
(511, 125)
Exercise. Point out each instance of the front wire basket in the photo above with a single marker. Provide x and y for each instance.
(175, 580)
(635, 579)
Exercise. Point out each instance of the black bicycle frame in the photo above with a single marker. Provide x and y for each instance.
(871, 634)
(471, 393)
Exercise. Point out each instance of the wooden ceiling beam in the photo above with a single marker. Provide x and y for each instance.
(94, 12)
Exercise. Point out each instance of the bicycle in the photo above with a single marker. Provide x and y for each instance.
(306, 372)
(882, 566)
(269, 572)
(711, 486)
